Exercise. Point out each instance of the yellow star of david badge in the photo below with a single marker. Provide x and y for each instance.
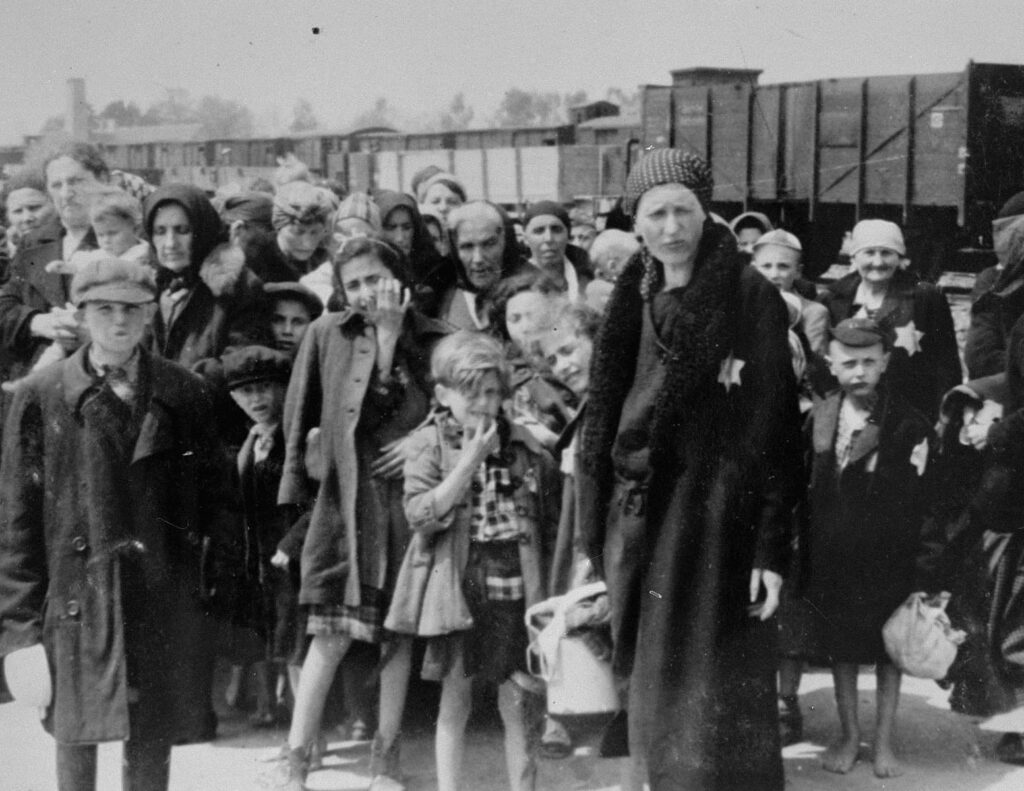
(909, 337)
(729, 373)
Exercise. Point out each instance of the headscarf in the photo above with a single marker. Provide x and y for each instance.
(206, 225)
(359, 206)
(547, 207)
(439, 177)
(668, 166)
(423, 249)
(302, 203)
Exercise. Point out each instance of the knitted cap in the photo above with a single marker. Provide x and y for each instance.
(547, 207)
(668, 166)
(113, 280)
(877, 233)
(249, 364)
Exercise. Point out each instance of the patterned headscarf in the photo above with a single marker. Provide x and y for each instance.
(668, 166)
(301, 202)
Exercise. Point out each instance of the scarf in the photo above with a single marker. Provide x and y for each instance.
(694, 344)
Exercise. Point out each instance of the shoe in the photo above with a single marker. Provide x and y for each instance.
(555, 743)
(385, 765)
(359, 732)
(791, 720)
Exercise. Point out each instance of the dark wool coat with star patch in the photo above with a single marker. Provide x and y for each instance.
(725, 467)
(925, 363)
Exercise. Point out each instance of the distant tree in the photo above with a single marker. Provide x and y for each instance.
(628, 102)
(122, 113)
(303, 118)
(224, 117)
(382, 114)
(459, 115)
(573, 99)
(528, 108)
(177, 107)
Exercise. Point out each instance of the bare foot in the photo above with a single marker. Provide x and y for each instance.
(885, 762)
(841, 756)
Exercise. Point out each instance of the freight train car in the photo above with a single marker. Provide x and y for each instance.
(938, 153)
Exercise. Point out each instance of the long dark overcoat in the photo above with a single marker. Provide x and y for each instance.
(702, 702)
(92, 529)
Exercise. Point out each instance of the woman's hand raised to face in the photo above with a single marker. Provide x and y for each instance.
(392, 302)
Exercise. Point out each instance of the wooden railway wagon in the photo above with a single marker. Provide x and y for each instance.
(938, 153)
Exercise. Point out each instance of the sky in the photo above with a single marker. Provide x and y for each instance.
(419, 54)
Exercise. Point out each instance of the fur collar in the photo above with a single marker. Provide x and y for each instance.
(694, 341)
(223, 270)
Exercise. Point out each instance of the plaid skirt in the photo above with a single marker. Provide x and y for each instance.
(365, 622)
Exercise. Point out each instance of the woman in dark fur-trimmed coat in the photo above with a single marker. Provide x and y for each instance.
(690, 465)
(209, 299)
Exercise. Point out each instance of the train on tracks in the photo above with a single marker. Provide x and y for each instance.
(938, 153)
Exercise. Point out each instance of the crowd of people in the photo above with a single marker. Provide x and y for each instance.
(314, 434)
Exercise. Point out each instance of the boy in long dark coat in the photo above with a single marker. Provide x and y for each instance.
(115, 499)
(867, 507)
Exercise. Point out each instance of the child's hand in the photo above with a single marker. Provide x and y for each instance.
(392, 303)
(61, 268)
(391, 461)
(479, 443)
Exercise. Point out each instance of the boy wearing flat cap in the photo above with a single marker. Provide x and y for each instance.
(257, 378)
(868, 498)
(118, 520)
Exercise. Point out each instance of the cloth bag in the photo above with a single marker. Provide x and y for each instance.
(578, 682)
(28, 677)
(919, 637)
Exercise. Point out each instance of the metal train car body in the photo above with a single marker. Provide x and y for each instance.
(938, 153)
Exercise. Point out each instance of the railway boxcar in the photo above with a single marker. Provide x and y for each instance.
(937, 152)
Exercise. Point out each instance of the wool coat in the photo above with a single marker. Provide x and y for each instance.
(678, 547)
(31, 290)
(428, 598)
(924, 363)
(332, 373)
(866, 523)
(110, 548)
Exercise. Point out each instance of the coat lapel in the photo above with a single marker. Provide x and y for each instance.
(157, 434)
(826, 420)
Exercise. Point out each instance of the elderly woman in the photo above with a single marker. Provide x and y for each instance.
(208, 299)
(485, 248)
(924, 364)
(689, 458)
